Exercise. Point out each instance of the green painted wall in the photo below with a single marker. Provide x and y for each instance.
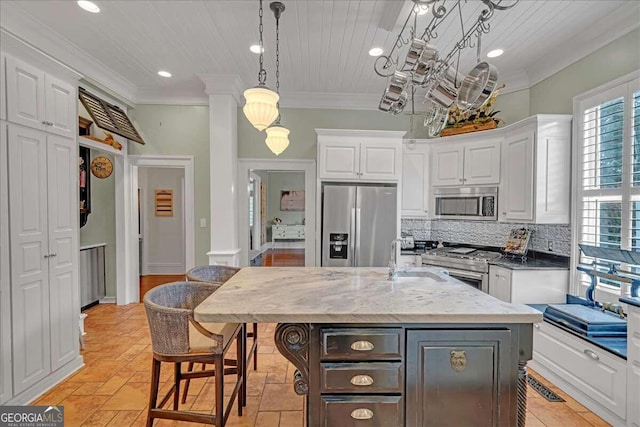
(101, 222)
(302, 123)
(180, 130)
(554, 95)
(513, 106)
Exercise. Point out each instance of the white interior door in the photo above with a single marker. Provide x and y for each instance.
(30, 252)
(63, 248)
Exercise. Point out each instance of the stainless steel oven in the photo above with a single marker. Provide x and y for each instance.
(472, 278)
(469, 265)
(470, 203)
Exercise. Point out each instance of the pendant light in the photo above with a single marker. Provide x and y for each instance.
(277, 135)
(261, 108)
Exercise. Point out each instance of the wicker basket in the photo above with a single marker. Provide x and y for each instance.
(471, 127)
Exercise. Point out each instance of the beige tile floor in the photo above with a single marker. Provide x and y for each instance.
(113, 388)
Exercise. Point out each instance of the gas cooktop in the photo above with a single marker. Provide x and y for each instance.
(461, 257)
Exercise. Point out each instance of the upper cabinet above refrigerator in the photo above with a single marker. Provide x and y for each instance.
(359, 155)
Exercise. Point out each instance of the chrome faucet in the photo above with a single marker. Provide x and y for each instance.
(393, 261)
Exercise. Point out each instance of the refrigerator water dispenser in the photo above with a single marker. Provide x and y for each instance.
(338, 244)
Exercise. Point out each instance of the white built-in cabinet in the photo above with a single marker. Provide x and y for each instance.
(39, 229)
(40, 100)
(536, 158)
(633, 366)
(3, 86)
(354, 155)
(474, 162)
(528, 286)
(415, 179)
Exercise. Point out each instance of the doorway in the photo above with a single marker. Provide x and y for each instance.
(279, 207)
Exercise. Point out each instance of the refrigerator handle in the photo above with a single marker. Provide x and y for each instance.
(357, 253)
(352, 231)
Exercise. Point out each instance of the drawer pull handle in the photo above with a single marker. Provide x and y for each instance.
(537, 326)
(362, 380)
(591, 354)
(362, 414)
(362, 346)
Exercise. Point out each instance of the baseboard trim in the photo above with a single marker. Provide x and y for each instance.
(165, 268)
(107, 300)
(53, 379)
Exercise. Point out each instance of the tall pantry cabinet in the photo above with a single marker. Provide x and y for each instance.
(39, 331)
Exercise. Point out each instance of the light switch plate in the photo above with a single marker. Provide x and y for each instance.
(203, 222)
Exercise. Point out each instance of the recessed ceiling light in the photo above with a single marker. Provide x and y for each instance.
(421, 9)
(88, 6)
(164, 73)
(495, 53)
(375, 51)
(255, 48)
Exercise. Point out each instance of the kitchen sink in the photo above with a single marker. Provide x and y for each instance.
(420, 272)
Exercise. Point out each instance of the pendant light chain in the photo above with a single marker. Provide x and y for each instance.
(277, 54)
(262, 74)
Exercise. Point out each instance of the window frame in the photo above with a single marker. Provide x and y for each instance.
(624, 86)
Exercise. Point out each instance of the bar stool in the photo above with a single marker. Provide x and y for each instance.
(176, 337)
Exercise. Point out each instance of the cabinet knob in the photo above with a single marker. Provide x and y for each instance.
(537, 326)
(47, 256)
(53, 254)
(504, 213)
(362, 380)
(44, 123)
(362, 414)
(591, 354)
(460, 179)
(362, 345)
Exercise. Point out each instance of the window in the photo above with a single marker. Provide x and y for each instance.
(608, 173)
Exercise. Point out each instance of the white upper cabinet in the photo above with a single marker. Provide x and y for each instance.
(536, 171)
(359, 155)
(415, 179)
(476, 162)
(39, 100)
(3, 85)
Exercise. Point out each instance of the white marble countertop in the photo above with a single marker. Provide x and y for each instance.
(353, 295)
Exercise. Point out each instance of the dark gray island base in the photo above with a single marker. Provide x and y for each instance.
(409, 375)
(423, 350)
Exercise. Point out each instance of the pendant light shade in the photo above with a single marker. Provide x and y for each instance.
(277, 138)
(261, 108)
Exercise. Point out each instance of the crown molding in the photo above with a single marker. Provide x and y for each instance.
(605, 30)
(51, 43)
(514, 82)
(223, 84)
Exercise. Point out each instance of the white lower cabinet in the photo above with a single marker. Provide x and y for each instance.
(43, 229)
(633, 366)
(528, 286)
(592, 376)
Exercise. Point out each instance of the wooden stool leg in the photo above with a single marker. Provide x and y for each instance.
(255, 350)
(240, 370)
(153, 395)
(219, 373)
(186, 383)
(176, 390)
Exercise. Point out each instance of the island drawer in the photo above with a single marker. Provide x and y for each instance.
(362, 377)
(362, 411)
(361, 343)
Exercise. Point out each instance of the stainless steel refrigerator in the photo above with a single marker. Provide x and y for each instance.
(358, 224)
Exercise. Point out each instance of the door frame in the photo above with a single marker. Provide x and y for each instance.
(131, 287)
(245, 166)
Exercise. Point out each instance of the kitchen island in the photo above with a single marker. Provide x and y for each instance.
(418, 351)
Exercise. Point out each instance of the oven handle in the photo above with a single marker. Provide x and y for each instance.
(465, 274)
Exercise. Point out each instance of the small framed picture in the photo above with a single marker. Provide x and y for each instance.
(291, 200)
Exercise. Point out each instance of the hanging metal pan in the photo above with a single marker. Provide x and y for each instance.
(477, 86)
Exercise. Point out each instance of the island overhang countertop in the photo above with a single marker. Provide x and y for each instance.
(354, 295)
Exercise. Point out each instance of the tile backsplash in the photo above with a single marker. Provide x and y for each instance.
(490, 233)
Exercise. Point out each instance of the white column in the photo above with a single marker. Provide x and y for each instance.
(224, 95)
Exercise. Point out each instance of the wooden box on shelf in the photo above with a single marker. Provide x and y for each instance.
(471, 127)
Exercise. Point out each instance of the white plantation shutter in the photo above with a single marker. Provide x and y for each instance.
(608, 161)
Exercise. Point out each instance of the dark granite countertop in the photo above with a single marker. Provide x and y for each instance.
(634, 301)
(530, 264)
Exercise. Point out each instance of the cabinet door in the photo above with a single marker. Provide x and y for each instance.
(3, 85)
(29, 246)
(447, 165)
(500, 283)
(63, 248)
(25, 94)
(516, 189)
(339, 161)
(452, 369)
(482, 163)
(380, 161)
(415, 187)
(633, 363)
(60, 105)
(5, 290)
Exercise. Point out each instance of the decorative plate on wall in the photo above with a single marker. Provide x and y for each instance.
(101, 167)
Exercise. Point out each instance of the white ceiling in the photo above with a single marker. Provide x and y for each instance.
(323, 44)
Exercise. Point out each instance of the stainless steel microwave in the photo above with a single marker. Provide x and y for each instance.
(470, 203)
